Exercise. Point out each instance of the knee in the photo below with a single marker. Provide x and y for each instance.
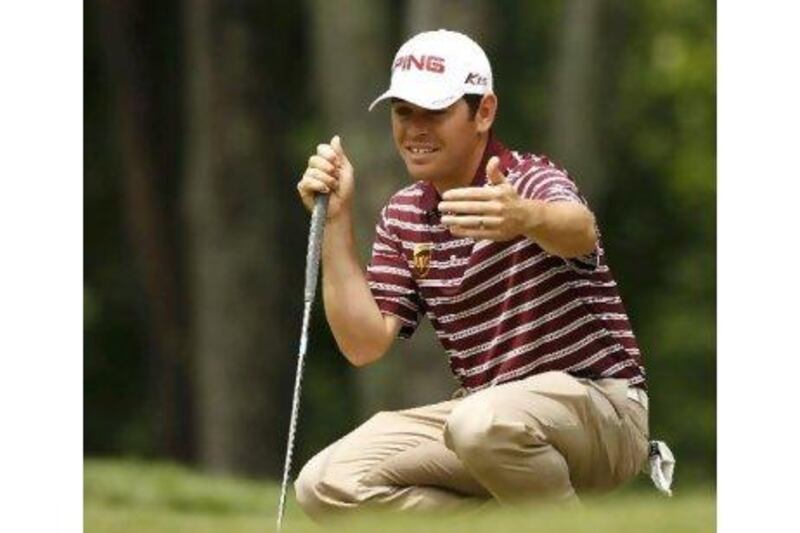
(466, 427)
(312, 491)
(306, 489)
(470, 431)
(479, 432)
(326, 485)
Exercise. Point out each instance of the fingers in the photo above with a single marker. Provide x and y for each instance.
(329, 157)
(321, 176)
(313, 177)
(486, 207)
(310, 188)
(333, 152)
(472, 221)
(326, 152)
(478, 234)
(471, 193)
(493, 173)
(325, 169)
(322, 164)
(336, 144)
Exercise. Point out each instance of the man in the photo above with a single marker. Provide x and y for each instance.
(501, 252)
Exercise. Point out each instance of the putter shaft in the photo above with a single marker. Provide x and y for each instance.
(312, 273)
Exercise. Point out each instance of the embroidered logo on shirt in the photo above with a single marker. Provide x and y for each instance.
(422, 259)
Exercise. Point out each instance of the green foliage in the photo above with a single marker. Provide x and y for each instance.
(122, 497)
(660, 216)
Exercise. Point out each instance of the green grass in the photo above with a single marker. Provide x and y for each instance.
(132, 496)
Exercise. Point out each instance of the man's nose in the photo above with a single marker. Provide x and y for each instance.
(418, 124)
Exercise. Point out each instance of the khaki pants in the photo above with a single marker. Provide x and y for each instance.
(548, 437)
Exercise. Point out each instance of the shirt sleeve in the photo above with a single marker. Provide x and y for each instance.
(549, 183)
(390, 279)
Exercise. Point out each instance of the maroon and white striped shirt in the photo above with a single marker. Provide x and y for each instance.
(502, 310)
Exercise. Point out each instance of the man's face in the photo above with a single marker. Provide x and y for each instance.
(435, 145)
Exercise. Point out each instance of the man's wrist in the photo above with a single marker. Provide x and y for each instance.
(343, 218)
(341, 225)
(533, 219)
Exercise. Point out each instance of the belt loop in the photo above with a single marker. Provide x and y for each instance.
(639, 395)
(459, 393)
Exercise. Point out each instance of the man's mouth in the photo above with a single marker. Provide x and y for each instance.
(421, 150)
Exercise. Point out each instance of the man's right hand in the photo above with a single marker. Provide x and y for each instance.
(329, 172)
(362, 332)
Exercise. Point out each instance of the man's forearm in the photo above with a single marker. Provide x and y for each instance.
(357, 323)
(565, 229)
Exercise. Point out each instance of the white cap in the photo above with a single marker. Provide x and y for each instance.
(433, 69)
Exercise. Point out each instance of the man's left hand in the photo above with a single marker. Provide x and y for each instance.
(494, 211)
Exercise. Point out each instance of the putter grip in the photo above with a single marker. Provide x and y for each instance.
(315, 245)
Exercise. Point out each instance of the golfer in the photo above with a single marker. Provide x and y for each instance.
(500, 251)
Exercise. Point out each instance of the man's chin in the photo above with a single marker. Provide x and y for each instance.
(420, 174)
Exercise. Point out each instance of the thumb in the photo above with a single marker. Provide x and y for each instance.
(336, 144)
(493, 173)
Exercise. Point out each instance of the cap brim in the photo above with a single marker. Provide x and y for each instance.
(385, 96)
(414, 97)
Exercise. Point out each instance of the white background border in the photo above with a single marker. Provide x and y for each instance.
(758, 239)
(41, 268)
(41, 272)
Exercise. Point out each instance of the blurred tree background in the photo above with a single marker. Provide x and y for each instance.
(199, 118)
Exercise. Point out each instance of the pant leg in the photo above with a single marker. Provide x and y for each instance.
(547, 437)
(396, 459)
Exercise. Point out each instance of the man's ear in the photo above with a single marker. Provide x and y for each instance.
(487, 110)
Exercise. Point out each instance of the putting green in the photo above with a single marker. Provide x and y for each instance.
(132, 496)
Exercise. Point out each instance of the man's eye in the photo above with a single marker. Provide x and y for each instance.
(402, 111)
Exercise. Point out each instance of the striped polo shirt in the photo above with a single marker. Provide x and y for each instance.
(502, 310)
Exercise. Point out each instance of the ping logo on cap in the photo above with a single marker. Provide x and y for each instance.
(425, 62)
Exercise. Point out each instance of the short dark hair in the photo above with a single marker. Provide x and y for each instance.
(473, 101)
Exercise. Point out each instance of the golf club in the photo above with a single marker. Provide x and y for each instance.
(312, 272)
